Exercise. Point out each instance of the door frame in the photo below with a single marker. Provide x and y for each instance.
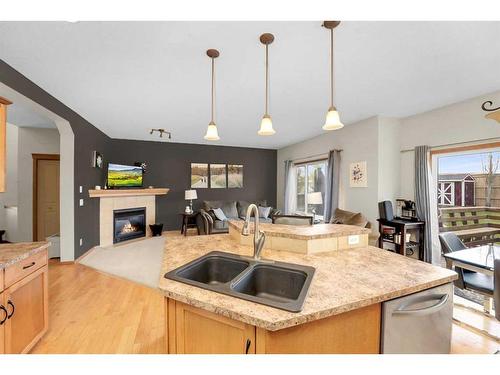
(36, 158)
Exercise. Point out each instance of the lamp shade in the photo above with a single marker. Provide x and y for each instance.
(314, 198)
(212, 133)
(332, 120)
(190, 194)
(266, 126)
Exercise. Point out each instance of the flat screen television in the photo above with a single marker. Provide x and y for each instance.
(124, 176)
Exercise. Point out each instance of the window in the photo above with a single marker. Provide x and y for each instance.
(311, 178)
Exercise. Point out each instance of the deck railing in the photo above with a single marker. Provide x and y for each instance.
(475, 226)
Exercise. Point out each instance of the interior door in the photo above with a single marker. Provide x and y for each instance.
(28, 312)
(47, 198)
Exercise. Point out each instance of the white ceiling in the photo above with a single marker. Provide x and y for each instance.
(24, 117)
(128, 77)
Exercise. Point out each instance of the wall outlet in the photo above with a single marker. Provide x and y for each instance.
(353, 240)
(81, 189)
(81, 202)
(81, 241)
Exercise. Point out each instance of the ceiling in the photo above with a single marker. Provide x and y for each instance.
(128, 77)
(24, 117)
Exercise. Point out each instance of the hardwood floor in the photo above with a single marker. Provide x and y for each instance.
(94, 313)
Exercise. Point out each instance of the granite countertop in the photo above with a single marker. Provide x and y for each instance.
(304, 232)
(11, 253)
(344, 280)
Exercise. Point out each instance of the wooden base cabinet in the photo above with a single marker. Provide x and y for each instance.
(3, 319)
(190, 330)
(26, 304)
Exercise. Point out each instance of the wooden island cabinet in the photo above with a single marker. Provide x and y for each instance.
(191, 330)
(23, 302)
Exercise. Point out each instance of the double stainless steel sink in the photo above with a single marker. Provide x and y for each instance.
(277, 284)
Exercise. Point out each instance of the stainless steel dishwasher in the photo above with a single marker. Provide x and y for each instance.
(419, 323)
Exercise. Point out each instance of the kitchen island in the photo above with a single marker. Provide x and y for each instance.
(341, 314)
(23, 295)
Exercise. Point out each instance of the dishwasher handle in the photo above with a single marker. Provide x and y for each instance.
(442, 299)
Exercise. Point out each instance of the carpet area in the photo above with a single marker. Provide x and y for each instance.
(138, 261)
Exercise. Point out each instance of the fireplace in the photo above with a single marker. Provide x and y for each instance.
(129, 224)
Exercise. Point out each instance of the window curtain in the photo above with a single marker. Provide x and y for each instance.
(290, 188)
(426, 204)
(332, 184)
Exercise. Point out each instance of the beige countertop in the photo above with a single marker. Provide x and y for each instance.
(304, 232)
(344, 280)
(11, 253)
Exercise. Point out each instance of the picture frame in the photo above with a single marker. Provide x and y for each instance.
(358, 177)
(199, 175)
(235, 176)
(218, 176)
(97, 160)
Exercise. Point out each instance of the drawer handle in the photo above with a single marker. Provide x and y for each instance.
(29, 266)
(9, 303)
(249, 342)
(5, 316)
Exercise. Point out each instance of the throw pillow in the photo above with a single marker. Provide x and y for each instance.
(264, 212)
(358, 220)
(219, 214)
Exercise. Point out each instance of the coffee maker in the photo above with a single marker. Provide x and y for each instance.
(405, 210)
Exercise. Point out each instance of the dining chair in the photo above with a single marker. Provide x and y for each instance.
(467, 279)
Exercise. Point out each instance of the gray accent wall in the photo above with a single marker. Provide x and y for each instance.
(87, 139)
(169, 165)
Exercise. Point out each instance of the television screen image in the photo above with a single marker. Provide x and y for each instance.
(124, 176)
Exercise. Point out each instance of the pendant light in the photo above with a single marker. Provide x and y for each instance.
(332, 117)
(212, 134)
(266, 125)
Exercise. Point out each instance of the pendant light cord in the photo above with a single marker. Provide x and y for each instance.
(331, 66)
(267, 76)
(213, 88)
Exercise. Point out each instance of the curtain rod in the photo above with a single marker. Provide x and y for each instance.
(479, 141)
(324, 155)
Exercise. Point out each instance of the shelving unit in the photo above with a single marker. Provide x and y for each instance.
(401, 229)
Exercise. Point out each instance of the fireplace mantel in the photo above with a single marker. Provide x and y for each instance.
(104, 193)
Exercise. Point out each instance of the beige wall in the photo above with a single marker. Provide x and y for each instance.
(359, 143)
(456, 123)
(22, 143)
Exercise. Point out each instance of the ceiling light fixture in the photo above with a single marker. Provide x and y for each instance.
(266, 125)
(161, 131)
(332, 117)
(212, 133)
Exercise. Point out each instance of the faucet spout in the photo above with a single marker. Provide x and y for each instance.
(258, 236)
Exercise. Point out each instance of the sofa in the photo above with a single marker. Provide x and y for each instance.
(208, 222)
(355, 218)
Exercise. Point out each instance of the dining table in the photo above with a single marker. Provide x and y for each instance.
(479, 259)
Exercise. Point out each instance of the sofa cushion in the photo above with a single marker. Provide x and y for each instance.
(341, 216)
(264, 212)
(228, 207)
(358, 220)
(243, 207)
(219, 214)
(221, 224)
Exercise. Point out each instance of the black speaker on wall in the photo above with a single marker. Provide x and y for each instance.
(385, 210)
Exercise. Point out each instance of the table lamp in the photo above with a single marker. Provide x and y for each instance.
(189, 195)
(314, 198)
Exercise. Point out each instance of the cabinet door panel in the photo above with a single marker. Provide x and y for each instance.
(2, 327)
(29, 320)
(201, 332)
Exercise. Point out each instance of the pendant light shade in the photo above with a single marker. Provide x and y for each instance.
(212, 133)
(266, 125)
(332, 117)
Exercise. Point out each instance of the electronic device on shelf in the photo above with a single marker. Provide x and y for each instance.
(124, 176)
(405, 210)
